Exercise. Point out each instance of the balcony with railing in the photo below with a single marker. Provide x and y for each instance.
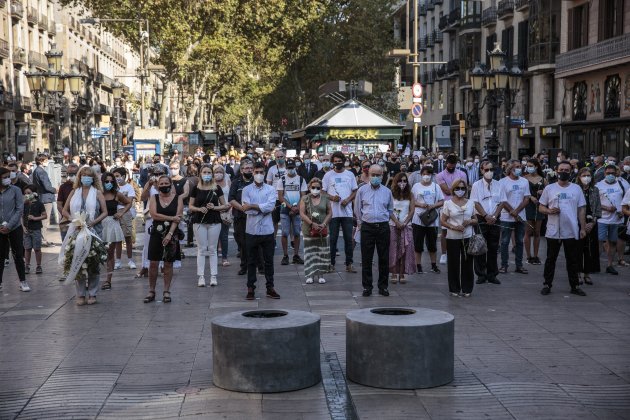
(42, 21)
(454, 17)
(441, 72)
(422, 44)
(101, 109)
(438, 36)
(430, 5)
(489, 17)
(452, 67)
(543, 54)
(19, 56)
(8, 98)
(470, 22)
(52, 28)
(422, 9)
(17, 10)
(520, 5)
(3, 3)
(505, 9)
(437, 2)
(38, 60)
(4, 49)
(429, 40)
(611, 50)
(22, 103)
(443, 23)
(31, 16)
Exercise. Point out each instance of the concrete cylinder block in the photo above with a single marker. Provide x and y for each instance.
(266, 350)
(400, 348)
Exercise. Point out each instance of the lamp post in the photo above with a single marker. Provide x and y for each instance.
(117, 89)
(501, 86)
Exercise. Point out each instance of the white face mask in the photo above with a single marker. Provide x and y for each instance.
(259, 178)
(469, 164)
(440, 157)
(488, 175)
(315, 191)
(476, 160)
(13, 175)
(586, 180)
(426, 178)
(460, 193)
(626, 168)
(6, 182)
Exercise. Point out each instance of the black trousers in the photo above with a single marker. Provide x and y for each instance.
(486, 266)
(239, 237)
(253, 244)
(375, 235)
(460, 266)
(572, 255)
(589, 252)
(14, 240)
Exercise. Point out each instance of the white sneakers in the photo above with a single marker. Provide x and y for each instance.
(131, 265)
(201, 282)
(213, 281)
(443, 259)
(309, 281)
(24, 286)
(117, 265)
(320, 281)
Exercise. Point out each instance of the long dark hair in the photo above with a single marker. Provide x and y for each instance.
(397, 193)
(115, 184)
(536, 163)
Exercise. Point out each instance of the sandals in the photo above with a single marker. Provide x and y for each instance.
(622, 263)
(107, 285)
(150, 297)
(503, 270)
(143, 273)
(521, 270)
(166, 297)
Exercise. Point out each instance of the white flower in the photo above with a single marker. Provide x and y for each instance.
(167, 224)
(84, 266)
(159, 228)
(315, 214)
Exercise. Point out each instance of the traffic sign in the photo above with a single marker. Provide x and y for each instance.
(417, 120)
(417, 110)
(417, 90)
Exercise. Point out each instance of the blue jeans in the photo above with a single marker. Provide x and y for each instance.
(346, 225)
(223, 238)
(506, 235)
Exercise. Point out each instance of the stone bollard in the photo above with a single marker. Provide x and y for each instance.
(266, 351)
(400, 348)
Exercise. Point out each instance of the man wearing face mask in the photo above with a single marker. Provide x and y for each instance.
(439, 164)
(515, 195)
(626, 169)
(45, 191)
(564, 204)
(291, 188)
(598, 168)
(472, 171)
(486, 194)
(341, 187)
(64, 191)
(16, 180)
(611, 192)
(326, 166)
(308, 169)
(373, 207)
(11, 232)
(275, 172)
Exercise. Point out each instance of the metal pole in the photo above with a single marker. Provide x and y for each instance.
(416, 61)
(508, 107)
(142, 74)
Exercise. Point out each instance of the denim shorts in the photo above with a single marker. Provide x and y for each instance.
(33, 239)
(607, 232)
(290, 224)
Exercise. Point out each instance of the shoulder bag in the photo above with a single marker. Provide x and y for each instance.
(477, 245)
(428, 217)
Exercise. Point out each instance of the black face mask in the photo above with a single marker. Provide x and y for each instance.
(339, 166)
(563, 176)
(450, 170)
(247, 177)
(165, 189)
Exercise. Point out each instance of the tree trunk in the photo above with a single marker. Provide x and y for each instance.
(165, 102)
(197, 89)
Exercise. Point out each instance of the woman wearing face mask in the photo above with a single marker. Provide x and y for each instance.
(458, 217)
(427, 197)
(589, 246)
(223, 181)
(537, 183)
(112, 232)
(364, 177)
(206, 203)
(149, 190)
(87, 197)
(401, 246)
(415, 164)
(315, 213)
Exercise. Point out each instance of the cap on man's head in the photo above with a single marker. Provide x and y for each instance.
(290, 164)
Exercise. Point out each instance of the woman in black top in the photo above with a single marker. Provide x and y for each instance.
(206, 203)
(112, 232)
(193, 180)
(166, 209)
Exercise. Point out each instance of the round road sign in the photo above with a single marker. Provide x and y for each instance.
(417, 90)
(416, 110)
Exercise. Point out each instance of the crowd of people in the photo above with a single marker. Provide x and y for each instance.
(384, 202)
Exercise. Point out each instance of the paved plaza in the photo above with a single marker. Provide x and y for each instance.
(518, 355)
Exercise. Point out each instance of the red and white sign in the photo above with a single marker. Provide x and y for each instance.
(417, 90)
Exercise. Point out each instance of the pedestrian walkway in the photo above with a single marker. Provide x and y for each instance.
(519, 355)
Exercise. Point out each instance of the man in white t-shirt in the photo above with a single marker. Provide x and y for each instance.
(486, 193)
(290, 189)
(564, 204)
(611, 193)
(428, 196)
(514, 199)
(126, 221)
(341, 186)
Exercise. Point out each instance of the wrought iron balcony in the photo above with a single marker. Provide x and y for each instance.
(520, 5)
(101, 109)
(452, 67)
(611, 49)
(22, 103)
(19, 56)
(443, 23)
(422, 10)
(438, 36)
(454, 17)
(542, 54)
(422, 44)
(4, 49)
(17, 10)
(468, 22)
(38, 60)
(505, 9)
(430, 5)
(489, 17)
(429, 40)
(441, 72)
(52, 28)
(31, 15)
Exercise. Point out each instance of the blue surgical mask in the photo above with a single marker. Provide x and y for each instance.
(610, 178)
(206, 178)
(291, 172)
(518, 172)
(375, 180)
(307, 161)
(108, 186)
(87, 181)
(531, 169)
(281, 161)
(326, 164)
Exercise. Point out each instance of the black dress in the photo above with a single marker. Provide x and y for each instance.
(159, 230)
(589, 246)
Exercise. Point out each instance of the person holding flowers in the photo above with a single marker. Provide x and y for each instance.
(315, 213)
(112, 231)
(82, 250)
(166, 210)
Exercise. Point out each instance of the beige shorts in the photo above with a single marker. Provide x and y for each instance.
(126, 223)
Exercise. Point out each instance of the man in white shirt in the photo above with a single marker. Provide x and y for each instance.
(564, 204)
(514, 198)
(611, 193)
(274, 173)
(428, 196)
(291, 188)
(341, 186)
(486, 194)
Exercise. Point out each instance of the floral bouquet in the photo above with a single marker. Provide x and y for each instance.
(84, 251)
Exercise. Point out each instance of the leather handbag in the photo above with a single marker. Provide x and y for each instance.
(477, 245)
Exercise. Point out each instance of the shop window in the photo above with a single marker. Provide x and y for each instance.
(578, 27)
(580, 101)
(612, 92)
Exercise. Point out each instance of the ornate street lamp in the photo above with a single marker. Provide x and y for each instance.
(76, 81)
(54, 58)
(477, 77)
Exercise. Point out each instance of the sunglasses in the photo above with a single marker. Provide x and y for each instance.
(460, 189)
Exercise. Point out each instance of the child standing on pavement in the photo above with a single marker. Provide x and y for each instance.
(34, 213)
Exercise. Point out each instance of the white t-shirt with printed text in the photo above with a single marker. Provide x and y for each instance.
(340, 184)
(429, 194)
(610, 195)
(568, 199)
(513, 191)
